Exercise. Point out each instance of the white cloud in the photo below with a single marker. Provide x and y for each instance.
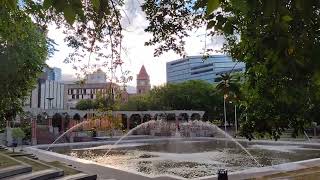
(136, 54)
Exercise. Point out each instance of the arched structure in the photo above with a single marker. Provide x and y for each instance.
(59, 118)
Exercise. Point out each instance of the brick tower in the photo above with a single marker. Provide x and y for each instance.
(143, 81)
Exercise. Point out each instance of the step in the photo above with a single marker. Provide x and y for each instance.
(14, 170)
(20, 154)
(79, 176)
(39, 175)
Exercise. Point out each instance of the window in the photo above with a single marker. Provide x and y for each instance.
(179, 62)
(202, 66)
(72, 97)
(91, 96)
(77, 97)
(200, 72)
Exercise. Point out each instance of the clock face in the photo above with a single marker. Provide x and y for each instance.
(142, 82)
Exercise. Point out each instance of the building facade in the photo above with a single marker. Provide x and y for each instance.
(52, 74)
(46, 95)
(96, 77)
(76, 92)
(143, 81)
(57, 74)
(96, 84)
(197, 68)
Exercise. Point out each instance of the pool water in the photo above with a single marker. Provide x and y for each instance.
(191, 158)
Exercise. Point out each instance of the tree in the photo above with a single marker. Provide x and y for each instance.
(92, 28)
(277, 39)
(189, 95)
(23, 50)
(229, 86)
(85, 104)
(17, 135)
(230, 89)
(137, 103)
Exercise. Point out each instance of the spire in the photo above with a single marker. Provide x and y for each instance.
(143, 73)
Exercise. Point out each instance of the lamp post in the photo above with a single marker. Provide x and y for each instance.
(235, 119)
(225, 112)
(50, 102)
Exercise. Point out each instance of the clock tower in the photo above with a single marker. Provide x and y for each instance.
(143, 81)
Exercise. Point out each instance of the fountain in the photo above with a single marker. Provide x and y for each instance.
(177, 133)
(305, 133)
(191, 149)
(66, 132)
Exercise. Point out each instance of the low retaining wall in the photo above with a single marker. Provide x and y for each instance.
(105, 171)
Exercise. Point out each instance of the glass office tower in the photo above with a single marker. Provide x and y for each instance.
(197, 68)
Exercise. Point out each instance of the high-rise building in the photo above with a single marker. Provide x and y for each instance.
(197, 68)
(143, 81)
(52, 74)
(57, 74)
(48, 74)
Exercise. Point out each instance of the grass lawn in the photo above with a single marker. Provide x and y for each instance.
(36, 166)
(67, 170)
(7, 162)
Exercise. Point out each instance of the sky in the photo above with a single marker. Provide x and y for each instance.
(133, 41)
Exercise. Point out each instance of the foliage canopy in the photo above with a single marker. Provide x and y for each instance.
(23, 50)
(279, 40)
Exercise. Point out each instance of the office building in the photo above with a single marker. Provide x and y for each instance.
(52, 74)
(47, 95)
(57, 74)
(198, 68)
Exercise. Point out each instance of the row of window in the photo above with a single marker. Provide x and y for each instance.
(86, 91)
(202, 66)
(80, 96)
(179, 62)
(202, 71)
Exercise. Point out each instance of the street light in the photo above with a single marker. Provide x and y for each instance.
(235, 117)
(225, 113)
(50, 100)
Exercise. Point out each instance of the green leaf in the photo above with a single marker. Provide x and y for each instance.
(228, 28)
(200, 4)
(211, 24)
(286, 18)
(47, 4)
(212, 5)
(69, 14)
(96, 4)
(12, 4)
